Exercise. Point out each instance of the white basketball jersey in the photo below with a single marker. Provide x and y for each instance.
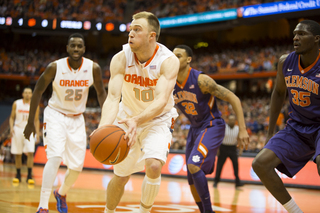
(71, 87)
(140, 80)
(22, 113)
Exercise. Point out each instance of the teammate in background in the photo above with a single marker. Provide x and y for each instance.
(228, 149)
(195, 95)
(18, 121)
(291, 148)
(64, 131)
(144, 73)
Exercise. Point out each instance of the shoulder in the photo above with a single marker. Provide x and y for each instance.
(118, 61)
(283, 58)
(204, 78)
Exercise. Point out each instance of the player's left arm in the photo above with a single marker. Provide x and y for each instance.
(208, 85)
(98, 84)
(165, 85)
(37, 125)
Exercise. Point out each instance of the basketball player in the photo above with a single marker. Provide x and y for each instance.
(291, 148)
(64, 131)
(195, 95)
(18, 121)
(144, 73)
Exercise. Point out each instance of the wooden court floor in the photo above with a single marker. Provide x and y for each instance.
(88, 195)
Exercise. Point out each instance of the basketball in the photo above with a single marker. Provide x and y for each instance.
(108, 146)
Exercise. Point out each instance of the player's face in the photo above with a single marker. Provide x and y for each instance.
(183, 57)
(27, 94)
(76, 48)
(303, 40)
(139, 34)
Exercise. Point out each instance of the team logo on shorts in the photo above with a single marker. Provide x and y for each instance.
(196, 158)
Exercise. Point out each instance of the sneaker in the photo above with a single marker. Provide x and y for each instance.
(30, 181)
(61, 202)
(239, 184)
(17, 179)
(41, 210)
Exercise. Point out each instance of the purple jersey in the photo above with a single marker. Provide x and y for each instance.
(199, 108)
(303, 90)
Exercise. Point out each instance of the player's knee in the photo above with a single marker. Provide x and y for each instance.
(258, 165)
(153, 168)
(193, 168)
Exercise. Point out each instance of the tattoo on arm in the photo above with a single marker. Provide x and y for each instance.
(208, 85)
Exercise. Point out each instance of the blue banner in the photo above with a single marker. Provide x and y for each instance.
(198, 18)
(277, 8)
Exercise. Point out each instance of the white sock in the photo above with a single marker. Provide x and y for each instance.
(292, 207)
(44, 198)
(69, 179)
(106, 210)
(150, 189)
(49, 174)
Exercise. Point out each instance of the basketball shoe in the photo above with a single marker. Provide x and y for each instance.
(17, 179)
(41, 210)
(61, 202)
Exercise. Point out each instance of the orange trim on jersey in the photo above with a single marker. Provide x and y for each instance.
(68, 115)
(201, 147)
(211, 102)
(45, 146)
(70, 68)
(309, 67)
(148, 62)
(185, 80)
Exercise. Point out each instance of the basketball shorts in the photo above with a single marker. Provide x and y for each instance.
(294, 148)
(203, 144)
(153, 141)
(65, 137)
(19, 144)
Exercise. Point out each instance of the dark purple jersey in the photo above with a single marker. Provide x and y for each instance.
(199, 108)
(303, 90)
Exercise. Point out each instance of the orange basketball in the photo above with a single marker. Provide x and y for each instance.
(108, 146)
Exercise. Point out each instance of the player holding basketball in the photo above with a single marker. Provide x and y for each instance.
(144, 73)
(291, 148)
(64, 131)
(195, 95)
(18, 121)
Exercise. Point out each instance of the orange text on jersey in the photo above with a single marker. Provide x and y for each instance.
(186, 96)
(23, 111)
(144, 82)
(303, 83)
(74, 83)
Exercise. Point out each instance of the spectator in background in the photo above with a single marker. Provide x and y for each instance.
(228, 149)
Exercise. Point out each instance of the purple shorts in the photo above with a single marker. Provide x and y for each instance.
(203, 144)
(295, 148)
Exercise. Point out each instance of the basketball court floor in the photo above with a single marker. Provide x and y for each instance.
(88, 195)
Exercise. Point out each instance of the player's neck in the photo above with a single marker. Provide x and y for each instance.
(183, 74)
(146, 53)
(308, 58)
(26, 101)
(75, 64)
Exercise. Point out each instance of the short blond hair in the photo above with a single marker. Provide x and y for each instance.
(152, 21)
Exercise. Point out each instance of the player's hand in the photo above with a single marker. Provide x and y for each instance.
(28, 130)
(132, 130)
(243, 139)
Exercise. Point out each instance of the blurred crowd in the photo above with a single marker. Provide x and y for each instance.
(249, 60)
(111, 10)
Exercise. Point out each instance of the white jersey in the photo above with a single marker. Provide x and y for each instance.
(71, 87)
(22, 113)
(140, 80)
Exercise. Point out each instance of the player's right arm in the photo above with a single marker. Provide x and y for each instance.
(12, 117)
(277, 98)
(111, 105)
(45, 79)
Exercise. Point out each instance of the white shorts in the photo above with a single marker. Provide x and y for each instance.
(65, 137)
(153, 141)
(19, 144)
